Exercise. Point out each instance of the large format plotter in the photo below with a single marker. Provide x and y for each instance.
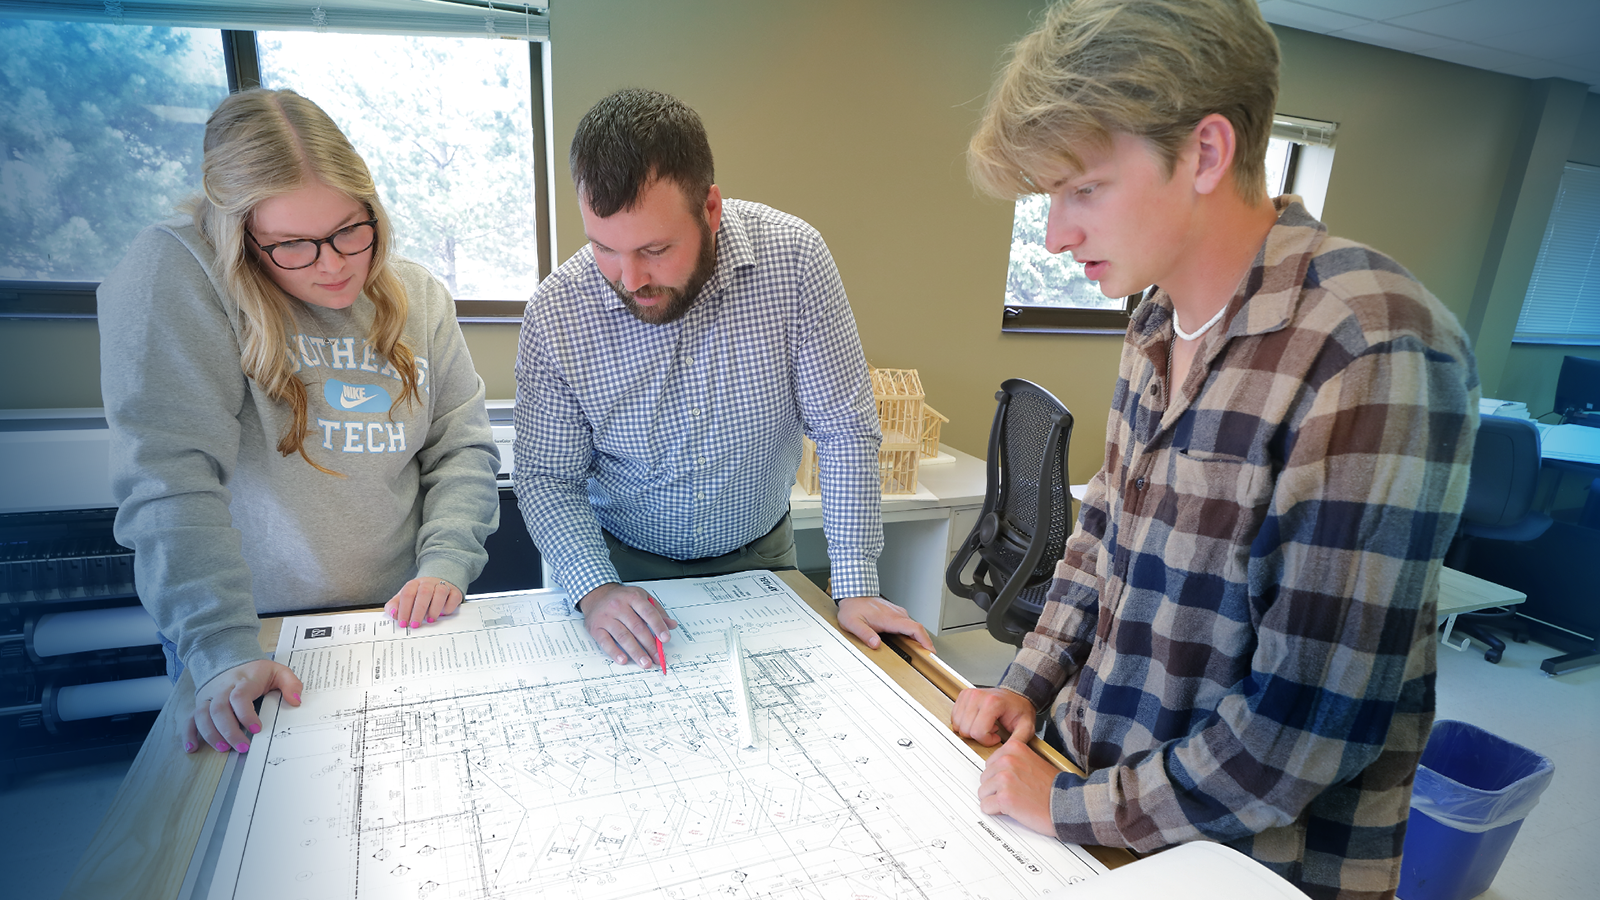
(82, 674)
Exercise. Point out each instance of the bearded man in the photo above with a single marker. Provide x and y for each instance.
(665, 375)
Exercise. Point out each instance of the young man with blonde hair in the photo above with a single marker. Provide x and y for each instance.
(1240, 643)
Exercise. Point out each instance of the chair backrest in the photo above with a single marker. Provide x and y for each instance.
(1505, 473)
(1026, 517)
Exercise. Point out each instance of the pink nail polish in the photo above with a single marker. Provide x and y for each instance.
(242, 747)
(431, 620)
(297, 698)
(222, 746)
(416, 624)
(188, 746)
(255, 729)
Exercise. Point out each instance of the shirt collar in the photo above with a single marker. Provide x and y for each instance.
(1265, 301)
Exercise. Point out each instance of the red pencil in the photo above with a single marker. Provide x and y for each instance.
(660, 653)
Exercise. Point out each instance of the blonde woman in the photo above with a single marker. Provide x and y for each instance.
(296, 422)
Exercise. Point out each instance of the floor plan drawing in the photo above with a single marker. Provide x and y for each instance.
(500, 755)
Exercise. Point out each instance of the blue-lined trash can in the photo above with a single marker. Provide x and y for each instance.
(1473, 790)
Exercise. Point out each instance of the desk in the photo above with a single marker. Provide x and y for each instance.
(1577, 445)
(144, 846)
(921, 533)
(1462, 593)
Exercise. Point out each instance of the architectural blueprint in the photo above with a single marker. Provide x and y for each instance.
(498, 754)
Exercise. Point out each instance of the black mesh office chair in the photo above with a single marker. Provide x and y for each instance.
(1026, 512)
(1505, 472)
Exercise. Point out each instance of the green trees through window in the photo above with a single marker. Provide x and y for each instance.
(1038, 277)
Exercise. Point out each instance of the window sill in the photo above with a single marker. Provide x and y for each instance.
(76, 300)
(1056, 320)
(47, 299)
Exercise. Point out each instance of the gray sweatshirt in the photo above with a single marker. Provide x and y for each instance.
(224, 527)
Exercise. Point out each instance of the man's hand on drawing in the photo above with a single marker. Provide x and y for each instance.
(867, 617)
(225, 707)
(1016, 782)
(625, 622)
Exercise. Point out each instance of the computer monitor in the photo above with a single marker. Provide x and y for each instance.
(1578, 391)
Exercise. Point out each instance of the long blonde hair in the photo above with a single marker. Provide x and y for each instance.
(261, 144)
(1149, 68)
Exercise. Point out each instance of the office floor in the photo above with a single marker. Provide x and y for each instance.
(47, 820)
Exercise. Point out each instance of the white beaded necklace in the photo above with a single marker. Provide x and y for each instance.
(1191, 335)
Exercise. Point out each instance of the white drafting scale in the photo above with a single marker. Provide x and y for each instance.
(497, 754)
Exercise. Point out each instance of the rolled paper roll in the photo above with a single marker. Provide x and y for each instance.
(112, 698)
(56, 634)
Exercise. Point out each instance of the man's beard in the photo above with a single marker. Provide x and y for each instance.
(677, 301)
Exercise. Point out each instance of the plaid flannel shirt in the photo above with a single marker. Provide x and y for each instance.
(1241, 643)
(683, 439)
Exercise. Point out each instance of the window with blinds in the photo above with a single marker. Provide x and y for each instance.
(1563, 301)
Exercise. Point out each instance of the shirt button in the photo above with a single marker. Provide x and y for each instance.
(1139, 485)
(700, 461)
(695, 411)
(699, 495)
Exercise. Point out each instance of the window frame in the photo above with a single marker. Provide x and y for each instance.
(1061, 320)
(76, 299)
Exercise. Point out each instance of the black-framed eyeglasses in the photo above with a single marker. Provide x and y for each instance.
(301, 254)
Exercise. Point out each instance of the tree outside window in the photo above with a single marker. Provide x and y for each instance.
(100, 135)
(1038, 277)
(445, 126)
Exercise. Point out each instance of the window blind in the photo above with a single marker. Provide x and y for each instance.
(459, 18)
(1563, 301)
(1304, 131)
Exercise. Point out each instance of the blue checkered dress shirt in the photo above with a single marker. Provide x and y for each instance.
(683, 439)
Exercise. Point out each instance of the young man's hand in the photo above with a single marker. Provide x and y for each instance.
(1016, 782)
(981, 714)
(867, 617)
(625, 622)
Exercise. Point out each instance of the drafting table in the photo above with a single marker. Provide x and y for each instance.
(144, 847)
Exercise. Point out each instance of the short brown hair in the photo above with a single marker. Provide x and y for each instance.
(630, 139)
(1149, 68)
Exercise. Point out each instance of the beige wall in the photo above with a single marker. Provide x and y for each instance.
(1420, 155)
(855, 116)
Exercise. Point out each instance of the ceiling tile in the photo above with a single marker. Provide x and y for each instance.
(1565, 39)
(1306, 18)
(1378, 9)
(1477, 56)
(1479, 20)
(1394, 38)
